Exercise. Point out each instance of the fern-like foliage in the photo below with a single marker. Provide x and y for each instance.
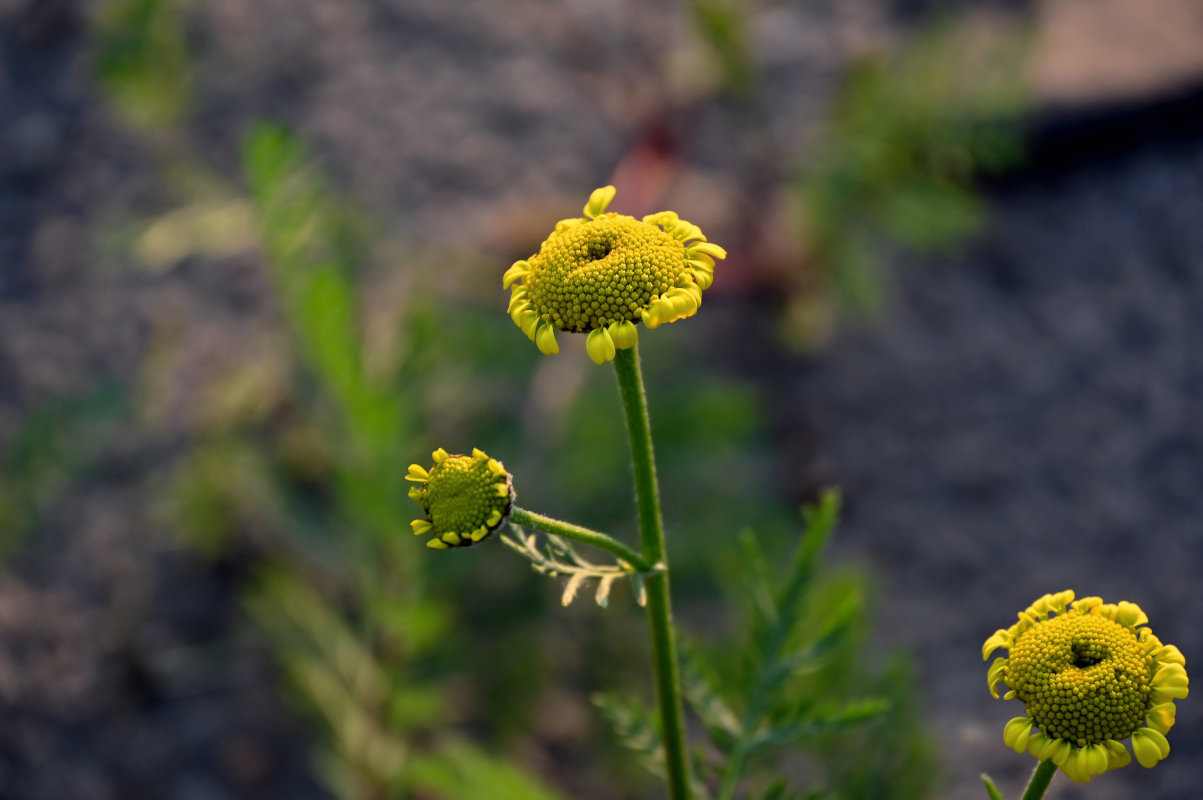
(775, 703)
(559, 558)
(781, 699)
(634, 725)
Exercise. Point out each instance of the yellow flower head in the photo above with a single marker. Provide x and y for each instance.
(1090, 675)
(602, 273)
(465, 498)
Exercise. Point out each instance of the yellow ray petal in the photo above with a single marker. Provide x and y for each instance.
(1117, 755)
(1016, 733)
(545, 339)
(995, 674)
(519, 270)
(706, 248)
(599, 200)
(1150, 746)
(624, 334)
(600, 346)
(1161, 717)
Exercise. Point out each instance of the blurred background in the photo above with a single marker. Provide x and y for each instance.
(250, 260)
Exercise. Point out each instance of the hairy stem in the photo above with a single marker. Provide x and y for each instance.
(651, 536)
(1039, 782)
(529, 519)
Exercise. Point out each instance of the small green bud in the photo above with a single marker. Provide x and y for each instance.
(465, 498)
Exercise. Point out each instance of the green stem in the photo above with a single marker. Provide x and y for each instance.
(1041, 777)
(651, 537)
(529, 519)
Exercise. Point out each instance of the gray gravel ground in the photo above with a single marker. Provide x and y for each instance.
(1030, 418)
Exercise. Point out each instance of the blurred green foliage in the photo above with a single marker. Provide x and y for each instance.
(53, 446)
(313, 244)
(897, 159)
(315, 487)
(894, 757)
(141, 59)
(710, 451)
(721, 25)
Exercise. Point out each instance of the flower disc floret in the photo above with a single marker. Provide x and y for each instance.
(603, 273)
(465, 498)
(1082, 677)
(1089, 676)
